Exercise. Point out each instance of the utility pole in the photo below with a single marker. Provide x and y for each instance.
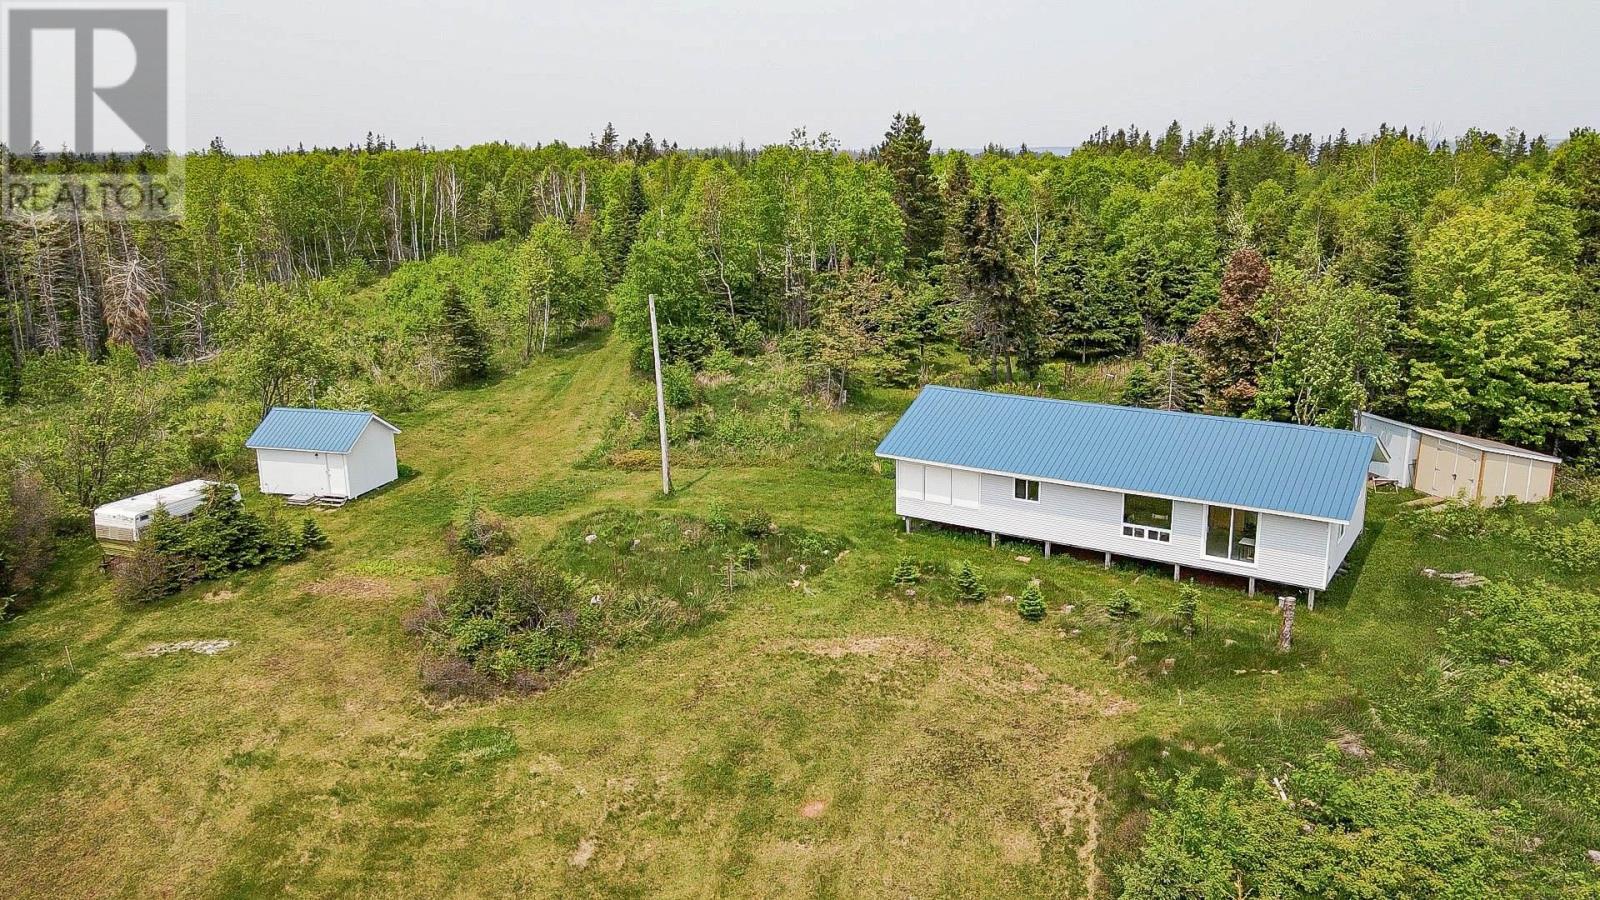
(661, 402)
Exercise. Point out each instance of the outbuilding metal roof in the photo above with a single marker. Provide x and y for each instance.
(317, 430)
(1270, 466)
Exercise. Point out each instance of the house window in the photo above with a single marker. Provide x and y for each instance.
(1147, 518)
(1024, 489)
(1231, 534)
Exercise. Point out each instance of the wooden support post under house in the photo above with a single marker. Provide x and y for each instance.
(1252, 586)
(908, 524)
(1046, 549)
(1108, 559)
(1177, 572)
(994, 540)
(1311, 599)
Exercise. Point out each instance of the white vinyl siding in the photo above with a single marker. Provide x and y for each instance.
(371, 463)
(1289, 549)
(1399, 442)
(936, 484)
(292, 472)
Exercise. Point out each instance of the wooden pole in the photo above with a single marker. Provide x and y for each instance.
(661, 401)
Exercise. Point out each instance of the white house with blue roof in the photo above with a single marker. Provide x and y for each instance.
(1264, 501)
(323, 453)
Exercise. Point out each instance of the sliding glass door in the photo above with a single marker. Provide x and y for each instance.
(1231, 534)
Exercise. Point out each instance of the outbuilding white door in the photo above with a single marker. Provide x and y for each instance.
(338, 475)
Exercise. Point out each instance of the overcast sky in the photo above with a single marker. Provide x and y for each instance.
(274, 73)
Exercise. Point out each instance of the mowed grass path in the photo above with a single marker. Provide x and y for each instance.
(822, 740)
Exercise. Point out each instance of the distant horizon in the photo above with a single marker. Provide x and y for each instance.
(708, 73)
(1056, 149)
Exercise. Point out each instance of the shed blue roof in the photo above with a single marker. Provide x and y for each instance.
(319, 430)
(1271, 466)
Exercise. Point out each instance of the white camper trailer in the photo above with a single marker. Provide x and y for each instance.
(119, 524)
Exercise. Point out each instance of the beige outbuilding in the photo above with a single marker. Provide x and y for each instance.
(1446, 464)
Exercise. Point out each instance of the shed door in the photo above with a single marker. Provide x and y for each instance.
(1469, 466)
(338, 475)
(1430, 478)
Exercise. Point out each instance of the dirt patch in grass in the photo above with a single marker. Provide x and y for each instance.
(585, 851)
(813, 809)
(886, 646)
(204, 648)
(360, 586)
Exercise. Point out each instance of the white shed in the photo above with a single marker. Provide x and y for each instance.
(336, 454)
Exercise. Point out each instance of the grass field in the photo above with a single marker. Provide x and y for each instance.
(834, 737)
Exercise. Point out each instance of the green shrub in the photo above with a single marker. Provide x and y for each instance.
(1572, 549)
(218, 538)
(474, 532)
(755, 523)
(1186, 607)
(677, 385)
(143, 577)
(312, 536)
(1149, 637)
(968, 586)
(718, 519)
(1525, 677)
(748, 556)
(515, 614)
(748, 339)
(1384, 834)
(1031, 605)
(905, 572)
(720, 361)
(1122, 607)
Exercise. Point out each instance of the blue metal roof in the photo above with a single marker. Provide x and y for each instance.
(319, 430)
(1271, 466)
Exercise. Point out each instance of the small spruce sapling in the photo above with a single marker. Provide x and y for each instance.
(968, 587)
(1031, 606)
(312, 537)
(1122, 607)
(1186, 608)
(749, 557)
(905, 572)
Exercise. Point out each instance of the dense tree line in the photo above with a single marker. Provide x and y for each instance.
(1250, 272)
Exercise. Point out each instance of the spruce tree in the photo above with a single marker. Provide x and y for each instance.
(1031, 605)
(1393, 275)
(1001, 318)
(625, 230)
(312, 535)
(968, 587)
(905, 572)
(905, 152)
(467, 350)
(957, 198)
(1122, 607)
(1186, 607)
